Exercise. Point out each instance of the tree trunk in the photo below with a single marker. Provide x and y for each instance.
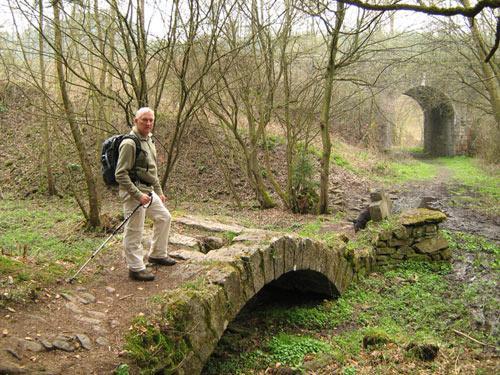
(47, 142)
(93, 198)
(325, 110)
(489, 69)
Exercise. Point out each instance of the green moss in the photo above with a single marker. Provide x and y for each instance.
(421, 216)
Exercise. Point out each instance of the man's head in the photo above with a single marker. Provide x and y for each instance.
(144, 120)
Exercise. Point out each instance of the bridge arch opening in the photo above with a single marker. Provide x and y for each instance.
(408, 124)
(269, 309)
(439, 120)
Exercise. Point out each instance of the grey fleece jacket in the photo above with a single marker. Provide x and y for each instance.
(145, 166)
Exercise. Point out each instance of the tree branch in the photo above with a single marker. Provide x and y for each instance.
(427, 9)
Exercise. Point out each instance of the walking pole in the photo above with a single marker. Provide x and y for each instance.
(71, 279)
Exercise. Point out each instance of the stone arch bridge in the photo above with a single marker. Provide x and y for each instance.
(446, 125)
(183, 329)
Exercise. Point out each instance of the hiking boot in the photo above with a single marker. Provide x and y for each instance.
(143, 275)
(163, 261)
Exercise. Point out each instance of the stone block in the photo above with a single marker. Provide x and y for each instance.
(253, 259)
(406, 251)
(378, 210)
(290, 249)
(278, 255)
(381, 196)
(376, 195)
(431, 228)
(436, 256)
(395, 242)
(381, 244)
(418, 231)
(267, 264)
(431, 245)
(385, 235)
(397, 256)
(401, 233)
(418, 257)
(421, 216)
(446, 254)
(385, 250)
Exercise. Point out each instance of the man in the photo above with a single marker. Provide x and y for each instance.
(137, 178)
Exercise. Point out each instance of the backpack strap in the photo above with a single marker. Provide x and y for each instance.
(138, 150)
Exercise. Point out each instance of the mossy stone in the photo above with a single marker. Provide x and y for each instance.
(421, 216)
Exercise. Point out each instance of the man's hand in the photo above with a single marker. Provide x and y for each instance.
(163, 198)
(144, 199)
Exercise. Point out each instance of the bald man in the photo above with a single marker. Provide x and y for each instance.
(137, 179)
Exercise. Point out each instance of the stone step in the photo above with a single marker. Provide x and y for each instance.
(210, 226)
(186, 241)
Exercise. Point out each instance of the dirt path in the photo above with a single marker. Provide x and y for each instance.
(80, 328)
(461, 217)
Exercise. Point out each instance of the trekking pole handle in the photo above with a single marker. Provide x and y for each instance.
(150, 199)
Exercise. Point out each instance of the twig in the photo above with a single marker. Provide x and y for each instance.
(470, 338)
(128, 295)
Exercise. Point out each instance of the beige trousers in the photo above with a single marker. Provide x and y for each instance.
(132, 236)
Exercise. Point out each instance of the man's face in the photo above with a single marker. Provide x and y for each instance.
(145, 123)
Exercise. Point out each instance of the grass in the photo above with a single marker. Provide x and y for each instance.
(469, 173)
(391, 172)
(417, 302)
(39, 243)
(313, 230)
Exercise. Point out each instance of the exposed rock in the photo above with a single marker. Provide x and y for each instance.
(47, 344)
(181, 240)
(425, 352)
(102, 341)
(114, 323)
(421, 216)
(99, 329)
(210, 226)
(380, 206)
(32, 346)
(186, 254)
(86, 319)
(84, 341)
(66, 345)
(73, 307)
(97, 314)
(210, 243)
(431, 245)
(69, 297)
(110, 289)
(87, 298)
(428, 202)
(379, 210)
(254, 235)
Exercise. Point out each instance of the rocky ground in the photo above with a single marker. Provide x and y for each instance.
(80, 328)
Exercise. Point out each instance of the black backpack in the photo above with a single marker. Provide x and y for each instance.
(109, 156)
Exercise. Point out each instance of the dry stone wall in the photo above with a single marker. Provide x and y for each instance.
(415, 236)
